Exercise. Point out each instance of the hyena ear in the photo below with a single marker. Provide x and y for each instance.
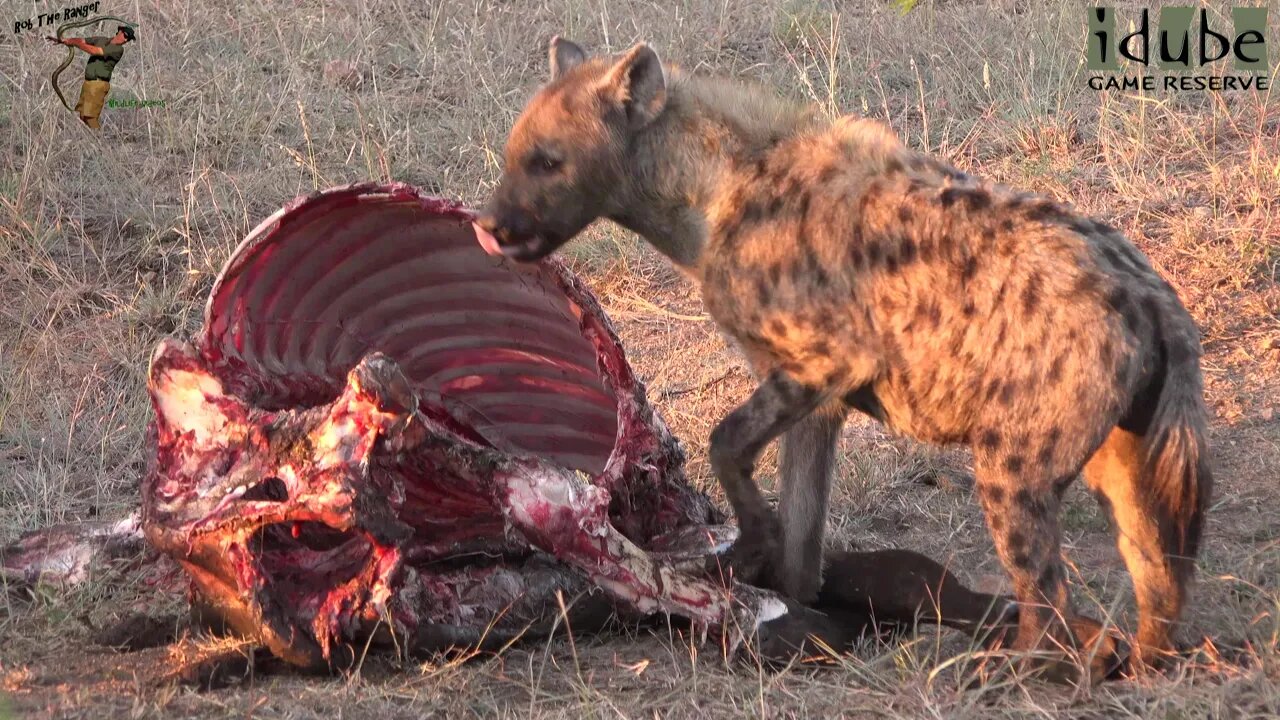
(565, 55)
(638, 83)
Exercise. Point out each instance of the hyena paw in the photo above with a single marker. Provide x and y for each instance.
(800, 632)
(753, 556)
(1094, 653)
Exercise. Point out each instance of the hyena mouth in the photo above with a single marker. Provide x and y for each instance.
(528, 249)
(487, 240)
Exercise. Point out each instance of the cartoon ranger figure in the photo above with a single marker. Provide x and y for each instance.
(104, 53)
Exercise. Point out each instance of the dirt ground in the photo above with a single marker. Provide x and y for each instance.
(110, 241)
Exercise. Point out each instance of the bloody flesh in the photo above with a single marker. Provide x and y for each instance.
(382, 425)
(384, 435)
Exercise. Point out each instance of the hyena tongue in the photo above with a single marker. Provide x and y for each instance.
(487, 241)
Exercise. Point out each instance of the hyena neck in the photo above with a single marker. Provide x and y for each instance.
(710, 127)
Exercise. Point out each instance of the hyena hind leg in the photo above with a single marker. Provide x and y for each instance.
(807, 461)
(1021, 508)
(1159, 569)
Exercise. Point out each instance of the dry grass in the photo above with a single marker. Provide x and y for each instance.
(110, 241)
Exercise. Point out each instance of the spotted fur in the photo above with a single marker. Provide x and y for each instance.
(855, 273)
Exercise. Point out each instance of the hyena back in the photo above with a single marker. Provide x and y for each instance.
(857, 274)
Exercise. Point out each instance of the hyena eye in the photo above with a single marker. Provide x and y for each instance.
(544, 164)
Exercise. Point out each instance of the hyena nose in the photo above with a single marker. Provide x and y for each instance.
(488, 221)
(496, 230)
(507, 226)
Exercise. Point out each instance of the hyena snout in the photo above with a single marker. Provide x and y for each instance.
(504, 229)
(508, 225)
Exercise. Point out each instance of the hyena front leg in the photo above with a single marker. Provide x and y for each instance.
(807, 461)
(778, 404)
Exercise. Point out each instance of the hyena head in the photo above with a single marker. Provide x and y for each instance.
(567, 153)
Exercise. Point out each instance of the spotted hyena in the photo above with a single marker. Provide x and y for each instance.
(855, 273)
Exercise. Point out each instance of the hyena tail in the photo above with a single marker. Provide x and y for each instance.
(1176, 468)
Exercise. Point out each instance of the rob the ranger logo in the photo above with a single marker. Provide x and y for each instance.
(1178, 50)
